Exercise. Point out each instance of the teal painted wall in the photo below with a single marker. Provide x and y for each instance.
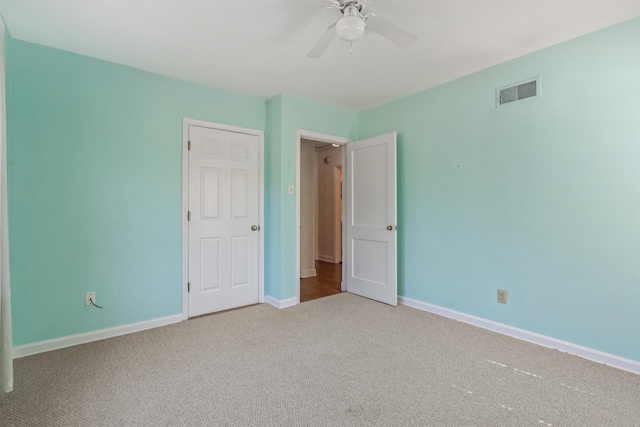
(541, 198)
(273, 179)
(7, 69)
(286, 115)
(95, 188)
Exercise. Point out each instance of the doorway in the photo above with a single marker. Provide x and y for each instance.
(320, 232)
(369, 230)
(320, 219)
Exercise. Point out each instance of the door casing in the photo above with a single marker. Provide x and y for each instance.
(186, 122)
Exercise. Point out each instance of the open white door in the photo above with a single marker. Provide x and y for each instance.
(370, 224)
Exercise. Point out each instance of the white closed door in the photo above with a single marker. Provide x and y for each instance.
(371, 232)
(224, 192)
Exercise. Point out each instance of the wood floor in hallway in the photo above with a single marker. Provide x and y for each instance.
(326, 282)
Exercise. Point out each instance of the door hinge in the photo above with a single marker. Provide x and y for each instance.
(188, 287)
(188, 145)
(188, 215)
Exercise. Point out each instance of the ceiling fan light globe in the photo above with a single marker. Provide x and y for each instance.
(350, 28)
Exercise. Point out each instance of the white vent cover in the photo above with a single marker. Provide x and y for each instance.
(517, 92)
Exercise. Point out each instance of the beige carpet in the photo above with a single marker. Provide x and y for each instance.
(339, 361)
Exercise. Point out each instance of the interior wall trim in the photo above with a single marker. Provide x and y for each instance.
(308, 273)
(284, 303)
(532, 337)
(86, 337)
(327, 258)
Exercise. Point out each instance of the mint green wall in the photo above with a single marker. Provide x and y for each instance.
(273, 179)
(7, 69)
(95, 188)
(540, 198)
(286, 115)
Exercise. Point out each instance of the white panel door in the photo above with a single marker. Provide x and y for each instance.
(224, 197)
(371, 218)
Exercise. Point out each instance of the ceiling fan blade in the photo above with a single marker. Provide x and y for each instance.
(391, 31)
(323, 42)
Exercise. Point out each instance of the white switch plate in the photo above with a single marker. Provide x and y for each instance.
(503, 296)
(291, 189)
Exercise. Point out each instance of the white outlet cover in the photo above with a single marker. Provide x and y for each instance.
(503, 296)
(88, 296)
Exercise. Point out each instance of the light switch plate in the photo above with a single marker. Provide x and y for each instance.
(503, 296)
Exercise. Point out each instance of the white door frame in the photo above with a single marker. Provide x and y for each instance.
(185, 203)
(332, 139)
(338, 187)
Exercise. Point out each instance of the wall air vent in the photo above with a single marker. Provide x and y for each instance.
(517, 92)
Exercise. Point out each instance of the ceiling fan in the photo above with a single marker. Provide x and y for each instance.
(352, 25)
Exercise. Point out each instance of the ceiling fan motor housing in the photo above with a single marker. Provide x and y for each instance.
(357, 4)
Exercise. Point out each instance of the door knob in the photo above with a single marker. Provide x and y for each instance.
(255, 227)
(389, 227)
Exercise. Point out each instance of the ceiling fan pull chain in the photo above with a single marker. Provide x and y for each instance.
(351, 43)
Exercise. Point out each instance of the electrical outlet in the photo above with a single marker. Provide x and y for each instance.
(503, 296)
(90, 296)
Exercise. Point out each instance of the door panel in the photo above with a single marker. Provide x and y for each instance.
(209, 264)
(370, 193)
(371, 218)
(224, 192)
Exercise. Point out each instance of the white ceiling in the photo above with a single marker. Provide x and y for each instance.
(259, 47)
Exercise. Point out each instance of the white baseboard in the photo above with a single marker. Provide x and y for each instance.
(308, 273)
(326, 258)
(280, 303)
(71, 340)
(532, 337)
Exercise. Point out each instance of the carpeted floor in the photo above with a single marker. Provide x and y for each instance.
(337, 361)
